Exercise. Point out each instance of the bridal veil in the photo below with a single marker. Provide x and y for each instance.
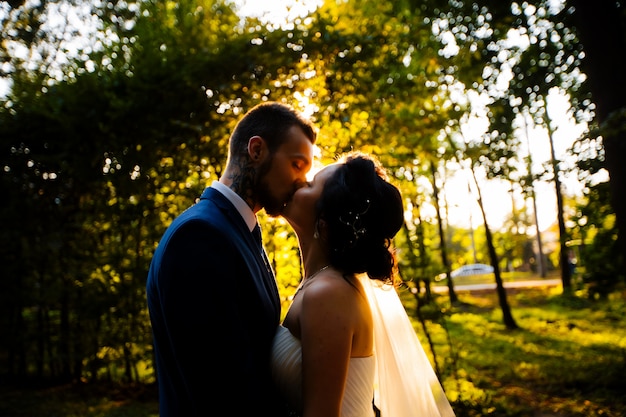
(406, 384)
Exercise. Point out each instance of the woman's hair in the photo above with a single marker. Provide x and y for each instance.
(362, 212)
(271, 121)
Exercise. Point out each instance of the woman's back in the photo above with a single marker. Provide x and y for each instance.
(287, 373)
(328, 333)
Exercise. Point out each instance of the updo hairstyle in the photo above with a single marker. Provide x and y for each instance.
(362, 212)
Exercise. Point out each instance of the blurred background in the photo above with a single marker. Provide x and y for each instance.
(502, 123)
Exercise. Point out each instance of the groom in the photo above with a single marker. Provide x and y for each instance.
(211, 293)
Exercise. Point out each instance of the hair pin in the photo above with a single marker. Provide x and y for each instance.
(354, 222)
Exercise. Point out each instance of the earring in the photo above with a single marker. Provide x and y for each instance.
(316, 234)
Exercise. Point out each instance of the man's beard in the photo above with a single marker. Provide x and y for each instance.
(273, 206)
(264, 195)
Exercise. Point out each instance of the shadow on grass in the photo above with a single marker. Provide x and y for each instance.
(80, 400)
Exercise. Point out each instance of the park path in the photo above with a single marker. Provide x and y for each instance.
(492, 285)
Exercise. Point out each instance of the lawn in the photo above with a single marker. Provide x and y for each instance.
(567, 359)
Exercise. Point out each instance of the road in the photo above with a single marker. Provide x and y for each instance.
(492, 285)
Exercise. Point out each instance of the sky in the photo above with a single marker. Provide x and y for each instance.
(277, 10)
(496, 196)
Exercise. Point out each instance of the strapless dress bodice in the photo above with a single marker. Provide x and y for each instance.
(287, 373)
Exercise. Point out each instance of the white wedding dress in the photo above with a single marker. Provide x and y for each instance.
(399, 376)
(287, 372)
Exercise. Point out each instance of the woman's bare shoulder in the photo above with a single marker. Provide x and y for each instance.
(329, 283)
(329, 293)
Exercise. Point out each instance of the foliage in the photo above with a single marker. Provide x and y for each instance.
(109, 158)
(594, 233)
(594, 244)
(102, 144)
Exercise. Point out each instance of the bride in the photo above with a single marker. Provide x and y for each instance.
(346, 347)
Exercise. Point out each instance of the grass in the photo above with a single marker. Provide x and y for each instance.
(567, 359)
(80, 400)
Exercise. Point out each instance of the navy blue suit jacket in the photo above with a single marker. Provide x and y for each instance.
(214, 309)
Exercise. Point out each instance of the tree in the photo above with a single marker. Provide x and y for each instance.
(467, 153)
(124, 134)
(609, 93)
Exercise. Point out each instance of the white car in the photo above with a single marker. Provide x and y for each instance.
(471, 269)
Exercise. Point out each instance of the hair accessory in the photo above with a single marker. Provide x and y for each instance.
(353, 220)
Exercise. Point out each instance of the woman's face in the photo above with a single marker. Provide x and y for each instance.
(300, 211)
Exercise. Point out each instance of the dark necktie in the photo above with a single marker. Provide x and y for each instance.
(256, 232)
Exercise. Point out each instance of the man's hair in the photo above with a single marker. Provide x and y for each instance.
(271, 121)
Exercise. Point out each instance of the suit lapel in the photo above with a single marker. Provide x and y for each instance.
(240, 229)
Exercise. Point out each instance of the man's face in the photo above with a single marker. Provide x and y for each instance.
(284, 172)
(300, 212)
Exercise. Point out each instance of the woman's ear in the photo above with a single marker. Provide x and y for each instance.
(256, 148)
(320, 229)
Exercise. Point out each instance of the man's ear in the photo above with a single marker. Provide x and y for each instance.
(256, 148)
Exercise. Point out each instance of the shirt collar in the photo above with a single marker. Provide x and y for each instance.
(244, 209)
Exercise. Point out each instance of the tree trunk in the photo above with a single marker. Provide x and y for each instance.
(566, 272)
(541, 265)
(419, 261)
(507, 317)
(600, 28)
(442, 237)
